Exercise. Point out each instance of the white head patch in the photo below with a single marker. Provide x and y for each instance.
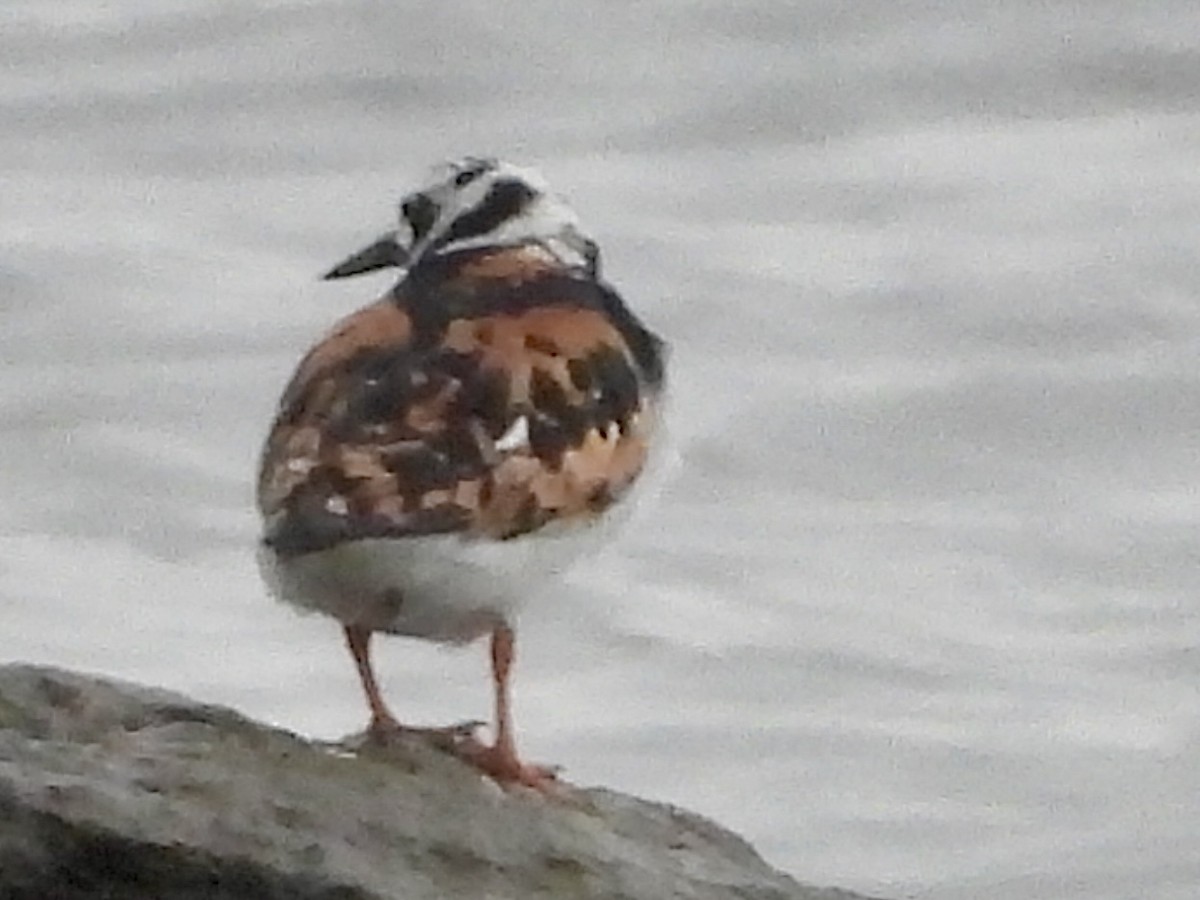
(488, 203)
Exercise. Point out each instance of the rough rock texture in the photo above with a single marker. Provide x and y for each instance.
(112, 790)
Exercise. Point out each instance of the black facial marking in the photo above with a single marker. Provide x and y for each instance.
(420, 213)
(471, 168)
(591, 259)
(503, 201)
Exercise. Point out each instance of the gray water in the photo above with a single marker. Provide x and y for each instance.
(917, 612)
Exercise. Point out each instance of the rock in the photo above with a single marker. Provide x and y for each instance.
(118, 791)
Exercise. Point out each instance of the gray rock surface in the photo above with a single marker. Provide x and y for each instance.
(113, 790)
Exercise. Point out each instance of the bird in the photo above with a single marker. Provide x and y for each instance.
(448, 450)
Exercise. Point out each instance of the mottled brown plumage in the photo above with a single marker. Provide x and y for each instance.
(390, 425)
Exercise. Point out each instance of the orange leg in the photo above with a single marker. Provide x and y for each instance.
(500, 760)
(383, 724)
(358, 639)
(503, 650)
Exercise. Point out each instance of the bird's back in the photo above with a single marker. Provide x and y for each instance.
(493, 399)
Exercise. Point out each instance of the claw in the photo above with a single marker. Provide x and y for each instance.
(502, 766)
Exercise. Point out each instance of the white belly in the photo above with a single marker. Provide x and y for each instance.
(446, 587)
(442, 587)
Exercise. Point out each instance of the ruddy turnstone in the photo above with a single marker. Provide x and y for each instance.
(446, 449)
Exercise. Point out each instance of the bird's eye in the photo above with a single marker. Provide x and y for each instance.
(462, 179)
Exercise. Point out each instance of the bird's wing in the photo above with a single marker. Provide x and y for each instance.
(502, 423)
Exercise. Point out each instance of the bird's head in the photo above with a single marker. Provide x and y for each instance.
(477, 202)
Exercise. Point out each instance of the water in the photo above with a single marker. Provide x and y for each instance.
(918, 612)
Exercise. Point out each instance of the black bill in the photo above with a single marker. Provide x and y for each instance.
(383, 253)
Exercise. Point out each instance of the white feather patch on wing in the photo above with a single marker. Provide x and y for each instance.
(515, 438)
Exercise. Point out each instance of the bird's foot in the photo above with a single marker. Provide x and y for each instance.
(386, 730)
(501, 764)
(498, 761)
